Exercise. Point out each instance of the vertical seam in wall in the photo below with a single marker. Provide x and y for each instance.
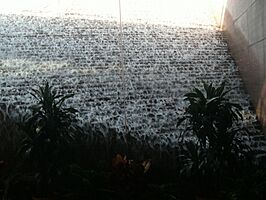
(248, 47)
(263, 22)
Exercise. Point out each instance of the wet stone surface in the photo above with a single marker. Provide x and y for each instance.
(81, 56)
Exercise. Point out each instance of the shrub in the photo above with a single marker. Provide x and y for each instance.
(51, 129)
(219, 149)
(11, 137)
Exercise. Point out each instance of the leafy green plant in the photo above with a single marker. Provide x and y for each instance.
(60, 162)
(51, 129)
(218, 149)
(210, 114)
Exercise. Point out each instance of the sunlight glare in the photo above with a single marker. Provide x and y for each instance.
(180, 12)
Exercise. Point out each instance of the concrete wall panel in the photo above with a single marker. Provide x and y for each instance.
(242, 24)
(255, 22)
(245, 27)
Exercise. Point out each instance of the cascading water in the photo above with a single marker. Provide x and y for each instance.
(79, 51)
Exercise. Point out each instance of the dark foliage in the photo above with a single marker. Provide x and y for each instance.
(210, 113)
(220, 150)
(51, 130)
(48, 156)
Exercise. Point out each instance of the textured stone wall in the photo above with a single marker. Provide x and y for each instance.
(81, 55)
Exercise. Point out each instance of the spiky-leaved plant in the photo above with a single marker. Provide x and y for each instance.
(210, 113)
(51, 129)
(50, 115)
(219, 148)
